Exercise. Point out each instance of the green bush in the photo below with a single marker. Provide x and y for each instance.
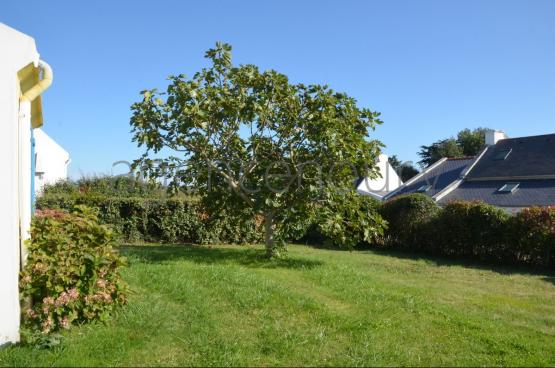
(408, 218)
(533, 234)
(162, 220)
(348, 220)
(72, 271)
(471, 229)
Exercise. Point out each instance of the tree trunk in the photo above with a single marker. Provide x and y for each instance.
(269, 233)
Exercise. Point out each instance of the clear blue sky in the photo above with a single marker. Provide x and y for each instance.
(431, 67)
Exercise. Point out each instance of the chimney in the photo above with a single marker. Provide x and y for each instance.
(494, 136)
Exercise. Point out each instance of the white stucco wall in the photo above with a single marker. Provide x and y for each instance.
(17, 50)
(388, 181)
(51, 161)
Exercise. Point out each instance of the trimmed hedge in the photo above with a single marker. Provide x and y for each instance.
(473, 230)
(161, 220)
(408, 217)
(414, 222)
(532, 233)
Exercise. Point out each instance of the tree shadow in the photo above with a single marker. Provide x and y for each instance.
(241, 255)
(550, 279)
(438, 260)
(503, 269)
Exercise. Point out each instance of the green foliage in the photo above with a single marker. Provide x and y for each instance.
(471, 229)
(407, 217)
(404, 170)
(533, 232)
(111, 186)
(72, 274)
(468, 143)
(163, 220)
(439, 150)
(248, 136)
(472, 141)
(350, 219)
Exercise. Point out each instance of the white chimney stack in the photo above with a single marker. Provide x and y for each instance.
(494, 136)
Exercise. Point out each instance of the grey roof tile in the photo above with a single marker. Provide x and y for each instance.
(529, 193)
(439, 177)
(530, 157)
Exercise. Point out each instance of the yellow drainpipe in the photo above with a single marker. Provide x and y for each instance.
(42, 85)
(24, 164)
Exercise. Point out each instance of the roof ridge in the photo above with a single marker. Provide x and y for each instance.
(461, 158)
(528, 137)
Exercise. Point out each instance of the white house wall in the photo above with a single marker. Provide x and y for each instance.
(51, 161)
(17, 50)
(387, 182)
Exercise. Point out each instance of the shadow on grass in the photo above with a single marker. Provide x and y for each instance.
(550, 279)
(245, 256)
(503, 269)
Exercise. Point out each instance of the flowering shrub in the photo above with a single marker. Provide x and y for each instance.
(72, 272)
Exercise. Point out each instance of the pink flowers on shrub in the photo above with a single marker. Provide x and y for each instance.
(72, 272)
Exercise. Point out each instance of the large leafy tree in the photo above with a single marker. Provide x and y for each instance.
(472, 141)
(438, 150)
(253, 143)
(468, 143)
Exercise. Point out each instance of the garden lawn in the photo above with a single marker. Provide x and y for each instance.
(229, 306)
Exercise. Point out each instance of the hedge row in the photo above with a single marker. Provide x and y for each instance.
(161, 220)
(472, 230)
(414, 223)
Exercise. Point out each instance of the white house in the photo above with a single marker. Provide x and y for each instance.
(387, 181)
(23, 77)
(51, 161)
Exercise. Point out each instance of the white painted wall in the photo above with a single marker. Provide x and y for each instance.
(51, 161)
(494, 136)
(17, 50)
(388, 181)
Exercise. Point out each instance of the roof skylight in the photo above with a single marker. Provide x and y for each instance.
(509, 188)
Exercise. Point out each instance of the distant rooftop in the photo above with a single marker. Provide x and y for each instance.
(439, 177)
(525, 157)
(528, 193)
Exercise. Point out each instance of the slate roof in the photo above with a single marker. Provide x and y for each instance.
(439, 177)
(529, 157)
(529, 193)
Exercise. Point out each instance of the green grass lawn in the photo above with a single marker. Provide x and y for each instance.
(229, 306)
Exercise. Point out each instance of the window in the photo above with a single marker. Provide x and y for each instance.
(423, 188)
(509, 188)
(502, 154)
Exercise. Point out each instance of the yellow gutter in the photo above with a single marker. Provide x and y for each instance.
(41, 85)
(32, 87)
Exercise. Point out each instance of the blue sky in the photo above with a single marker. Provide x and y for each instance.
(431, 67)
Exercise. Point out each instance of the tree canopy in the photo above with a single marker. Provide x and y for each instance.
(468, 143)
(245, 138)
(405, 170)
